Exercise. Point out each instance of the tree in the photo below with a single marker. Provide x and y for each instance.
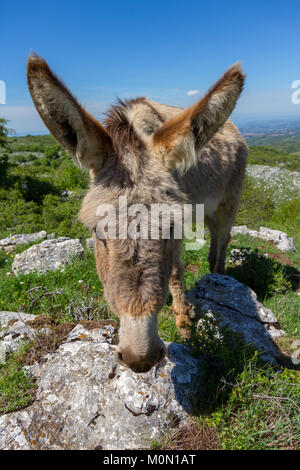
(4, 131)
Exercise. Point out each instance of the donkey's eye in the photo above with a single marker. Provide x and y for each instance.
(148, 130)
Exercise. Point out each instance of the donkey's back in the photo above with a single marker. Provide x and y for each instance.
(215, 178)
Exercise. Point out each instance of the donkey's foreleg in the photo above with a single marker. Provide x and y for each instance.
(219, 225)
(225, 219)
(179, 307)
(212, 224)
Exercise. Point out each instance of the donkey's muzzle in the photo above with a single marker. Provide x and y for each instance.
(140, 364)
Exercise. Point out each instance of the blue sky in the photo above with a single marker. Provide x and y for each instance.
(160, 49)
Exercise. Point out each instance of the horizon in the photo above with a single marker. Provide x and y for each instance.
(103, 51)
(242, 123)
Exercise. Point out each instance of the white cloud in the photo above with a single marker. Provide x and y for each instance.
(192, 92)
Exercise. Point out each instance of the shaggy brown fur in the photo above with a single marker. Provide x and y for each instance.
(121, 130)
(151, 154)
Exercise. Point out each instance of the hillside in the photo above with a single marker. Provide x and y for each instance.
(41, 189)
(282, 135)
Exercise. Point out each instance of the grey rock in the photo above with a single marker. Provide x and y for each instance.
(281, 239)
(66, 195)
(231, 303)
(6, 316)
(239, 256)
(47, 256)
(90, 243)
(12, 336)
(84, 399)
(11, 242)
(283, 242)
(51, 236)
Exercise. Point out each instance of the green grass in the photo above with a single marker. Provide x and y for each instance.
(250, 404)
(16, 386)
(78, 282)
(261, 411)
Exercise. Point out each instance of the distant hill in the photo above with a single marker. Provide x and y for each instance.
(262, 155)
(282, 135)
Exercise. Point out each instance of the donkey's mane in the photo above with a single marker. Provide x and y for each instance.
(120, 129)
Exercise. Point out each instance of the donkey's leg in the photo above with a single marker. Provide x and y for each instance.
(225, 218)
(179, 306)
(211, 222)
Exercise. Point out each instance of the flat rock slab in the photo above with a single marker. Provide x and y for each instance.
(47, 256)
(10, 243)
(234, 304)
(281, 239)
(85, 400)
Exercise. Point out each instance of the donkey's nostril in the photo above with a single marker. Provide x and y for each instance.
(120, 356)
(161, 353)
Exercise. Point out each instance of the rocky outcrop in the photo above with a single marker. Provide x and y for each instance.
(231, 303)
(47, 256)
(11, 242)
(85, 400)
(281, 239)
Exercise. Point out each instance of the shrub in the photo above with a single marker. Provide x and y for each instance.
(262, 274)
(61, 217)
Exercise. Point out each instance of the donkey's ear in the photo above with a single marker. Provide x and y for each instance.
(75, 129)
(178, 141)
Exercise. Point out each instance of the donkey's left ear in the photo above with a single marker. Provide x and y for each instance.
(75, 129)
(178, 141)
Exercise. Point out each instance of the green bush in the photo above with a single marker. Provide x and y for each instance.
(52, 152)
(262, 274)
(61, 217)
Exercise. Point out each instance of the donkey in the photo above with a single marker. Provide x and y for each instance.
(150, 153)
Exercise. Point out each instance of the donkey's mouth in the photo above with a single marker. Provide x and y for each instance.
(141, 366)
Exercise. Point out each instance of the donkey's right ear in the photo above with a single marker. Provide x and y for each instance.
(178, 141)
(75, 129)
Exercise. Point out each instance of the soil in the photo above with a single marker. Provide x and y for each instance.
(191, 436)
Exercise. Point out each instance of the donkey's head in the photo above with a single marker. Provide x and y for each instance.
(131, 156)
